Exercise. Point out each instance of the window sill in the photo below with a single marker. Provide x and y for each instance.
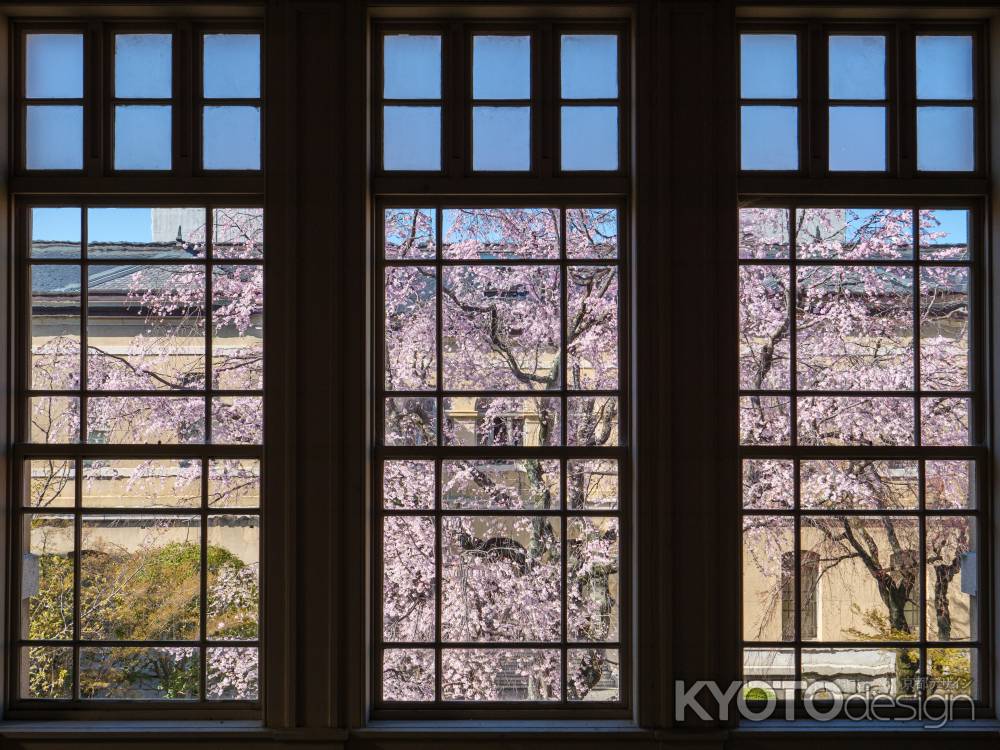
(986, 727)
(125, 729)
(492, 729)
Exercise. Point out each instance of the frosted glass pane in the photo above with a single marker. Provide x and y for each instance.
(142, 66)
(232, 66)
(231, 138)
(501, 67)
(412, 66)
(857, 139)
(412, 138)
(857, 67)
(54, 137)
(945, 139)
(768, 66)
(54, 66)
(501, 138)
(944, 67)
(769, 138)
(590, 138)
(142, 137)
(589, 66)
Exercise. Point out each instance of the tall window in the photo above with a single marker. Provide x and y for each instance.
(139, 381)
(861, 407)
(502, 476)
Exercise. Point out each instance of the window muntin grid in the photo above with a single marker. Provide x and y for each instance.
(898, 489)
(190, 497)
(432, 415)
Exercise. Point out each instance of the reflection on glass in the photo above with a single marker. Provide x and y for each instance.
(769, 138)
(589, 138)
(501, 139)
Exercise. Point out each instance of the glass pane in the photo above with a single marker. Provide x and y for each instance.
(412, 66)
(498, 233)
(589, 66)
(944, 421)
(765, 335)
(143, 66)
(233, 577)
(944, 328)
(238, 327)
(870, 586)
(55, 327)
(769, 138)
(768, 483)
(944, 234)
(589, 138)
(146, 327)
(502, 421)
(857, 139)
(408, 674)
(592, 674)
(47, 577)
(54, 67)
(501, 139)
(592, 421)
(953, 672)
(139, 673)
(950, 485)
(140, 578)
(857, 67)
(410, 328)
(854, 328)
(501, 327)
(592, 582)
(768, 599)
(517, 484)
(408, 484)
(764, 420)
(410, 233)
(500, 674)
(238, 233)
(945, 139)
(408, 580)
(237, 420)
(411, 421)
(233, 483)
(501, 67)
(143, 138)
(411, 138)
(232, 674)
(859, 484)
(855, 420)
(232, 66)
(46, 672)
(861, 671)
(592, 484)
(231, 138)
(145, 234)
(54, 419)
(764, 233)
(768, 66)
(944, 67)
(54, 137)
(143, 483)
(55, 232)
(488, 562)
(592, 327)
(50, 483)
(769, 670)
(591, 233)
(854, 233)
(124, 420)
(952, 578)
